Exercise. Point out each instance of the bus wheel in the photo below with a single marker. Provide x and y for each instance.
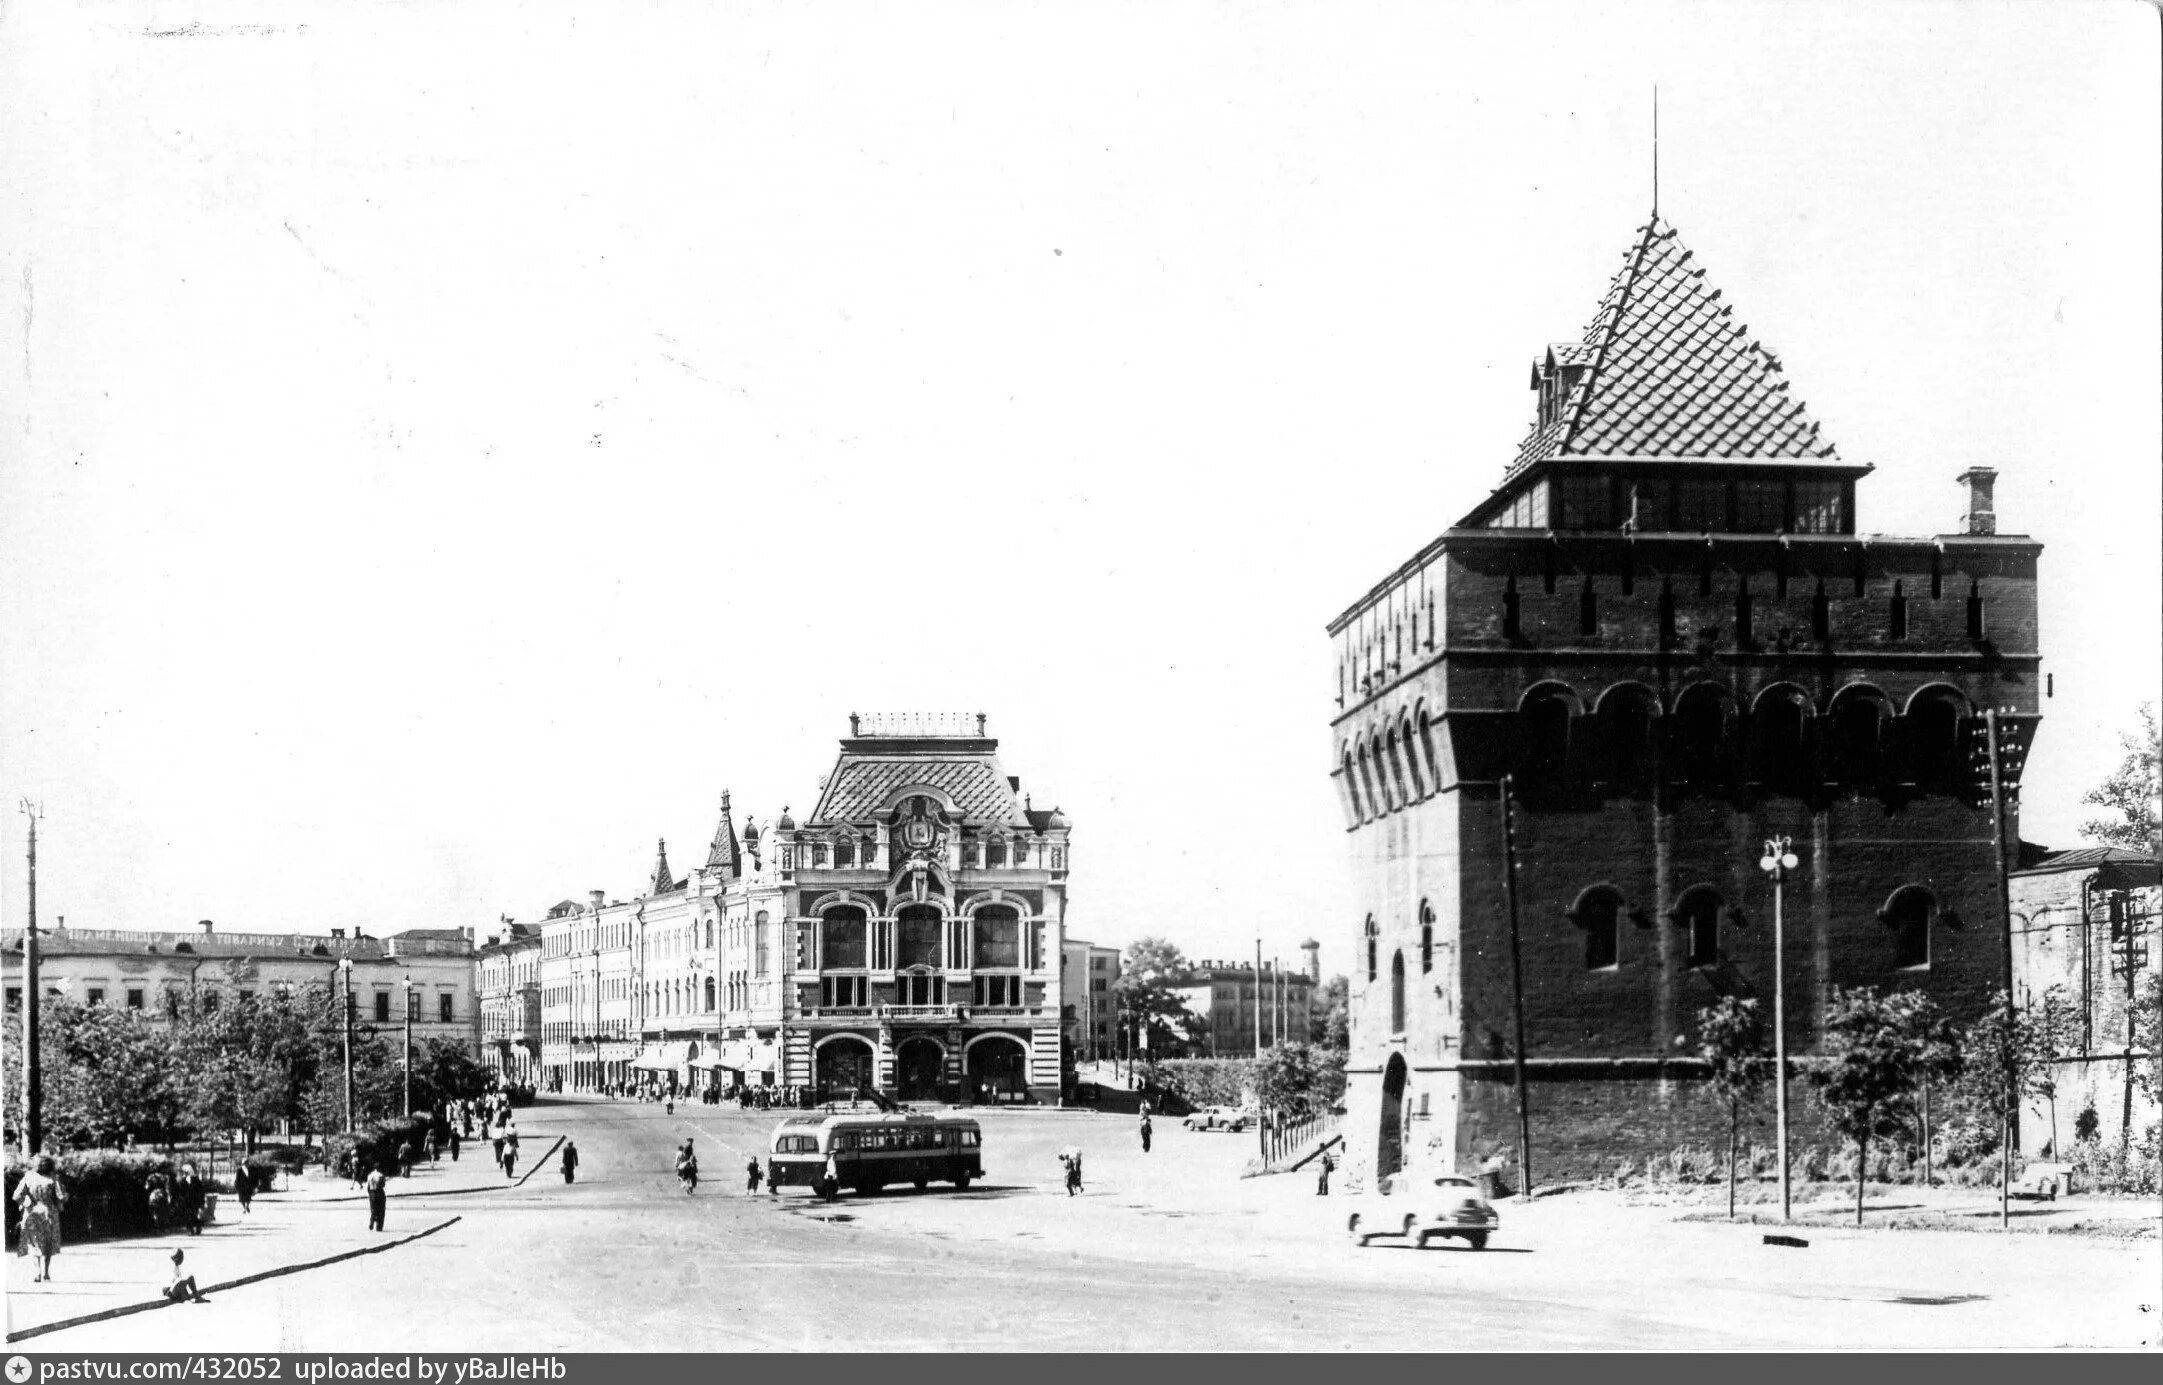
(961, 1183)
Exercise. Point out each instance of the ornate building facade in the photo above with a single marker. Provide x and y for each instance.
(1666, 630)
(905, 936)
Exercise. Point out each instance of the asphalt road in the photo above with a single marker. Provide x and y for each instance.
(1165, 1252)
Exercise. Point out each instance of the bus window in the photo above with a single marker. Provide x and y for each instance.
(969, 1139)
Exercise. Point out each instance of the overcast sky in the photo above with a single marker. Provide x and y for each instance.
(453, 442)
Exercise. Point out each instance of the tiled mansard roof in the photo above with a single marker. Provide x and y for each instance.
(860, 788)
(1669, 373)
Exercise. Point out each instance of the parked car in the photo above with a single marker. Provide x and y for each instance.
(1426, 1208)
(1218, 1118)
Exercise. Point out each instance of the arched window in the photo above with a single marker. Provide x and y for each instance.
(1780, 741)
(844, 851)
(1908, 915)
(1351, 791)
(918, 929)
(994, 850)
(1375, 804)
(709, 993)
(1374, 937)
(1544, 726)
(998, 937)
(764, 941)
(1396, 769)
(1412, 762)
(1426, 937)
(1858, 731)
(1628, 716)
(842, 941)
(1426, 745)
(1933, 739)
(1701, 732)
(1697, 913)
(1396, 993)
(1598, 912)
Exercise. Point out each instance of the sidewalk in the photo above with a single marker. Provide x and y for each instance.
(312, 1218)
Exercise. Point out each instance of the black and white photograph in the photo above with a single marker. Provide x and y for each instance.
(824, 676)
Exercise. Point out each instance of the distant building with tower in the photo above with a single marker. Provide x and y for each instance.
(1666, 628)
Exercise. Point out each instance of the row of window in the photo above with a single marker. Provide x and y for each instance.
(921, 936)
(1629, 743)
(854, 992)
(1715, 505)
(136, 998)
(1700, 913)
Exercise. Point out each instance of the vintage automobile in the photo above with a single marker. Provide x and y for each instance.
(1218, 1118)
(1426, 1208)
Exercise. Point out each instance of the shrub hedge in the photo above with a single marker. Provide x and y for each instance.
(375, 1146)
(108, 1193)
(1186, 1083)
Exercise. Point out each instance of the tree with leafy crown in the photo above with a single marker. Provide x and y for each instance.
(1736, 1044)
(2132, 793)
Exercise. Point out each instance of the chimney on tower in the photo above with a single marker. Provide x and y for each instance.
(596, 896)
(1982, 512)
(205, 926)
(1313, 950)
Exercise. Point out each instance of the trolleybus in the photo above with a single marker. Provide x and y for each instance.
(872, 1152)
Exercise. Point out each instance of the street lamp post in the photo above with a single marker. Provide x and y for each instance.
(345, 975)
(406, 983)
(33, 1008)
(1777, 861)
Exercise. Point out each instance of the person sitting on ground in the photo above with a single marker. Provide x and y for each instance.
(182, 1288)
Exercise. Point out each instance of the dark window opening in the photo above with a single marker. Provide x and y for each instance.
(1896, 616)
(1937, 576)
(443, 1006)
(1821, 615)
(1742, 617)
(1628, 718)
(1934, 741)
(1426, 938)
(995, 851)
(1908, 915)
(1780, 742)
(1760, 507)
(1975, 612)
(1701, 506)
(383, 1007)
(1599, 915)
(1547, 575)
(1667, 615)
(1703, 723)
(1588, 611)
(1396, 994)
(845, 852)
(1546, 725)
(1374, 935)
(1511, 629)
(1858, 730)
(1699, 916)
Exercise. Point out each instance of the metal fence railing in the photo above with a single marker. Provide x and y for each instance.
(1286, 1141)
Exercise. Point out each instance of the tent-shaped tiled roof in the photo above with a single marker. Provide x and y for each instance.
(1665, 371)
(860, 787)
(725, 856)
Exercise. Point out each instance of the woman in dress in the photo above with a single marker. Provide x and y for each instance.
(41, 1197)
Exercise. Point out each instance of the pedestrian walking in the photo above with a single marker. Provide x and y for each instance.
(429, 1145)
(510, 1161)
(188, 1199)
(1321, 1185)
(830, 1181)
(1145, 1132)
(672, 1106)
(243, 1187)
(454, 1144)
(1072, 1159)
(377, 1196)
(40, 1196)
(751, 1177)
(687, 1169)
(181, 1287)
(570, 1162)
(161, 1201)
(497, 1140)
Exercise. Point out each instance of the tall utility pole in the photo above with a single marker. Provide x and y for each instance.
(1517, 988)
(406, 984)
(345, 973)
(33, 1012)
(2005, 917)
(1777, 861)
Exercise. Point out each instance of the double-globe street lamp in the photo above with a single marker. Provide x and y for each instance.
(406, 982)
(1778, 860)
(345, 976)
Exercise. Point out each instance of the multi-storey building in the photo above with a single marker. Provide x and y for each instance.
(508, 983)
(1224, 997)
(2088, 934)
(426, 973)
(1089, 1000)
(1658, 644)
(905, 936)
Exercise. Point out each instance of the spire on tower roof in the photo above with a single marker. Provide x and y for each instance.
(725, 856)
(664, 879)
(1665, 371)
